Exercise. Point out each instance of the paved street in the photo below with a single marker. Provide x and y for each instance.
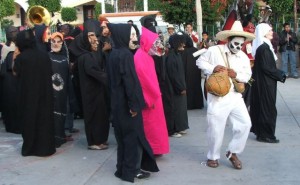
(73, 164)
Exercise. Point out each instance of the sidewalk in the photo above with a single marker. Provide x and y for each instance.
(73, 164)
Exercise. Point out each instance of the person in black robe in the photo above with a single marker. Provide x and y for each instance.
(34, 72)
(9, 84)
(61, 79)
(193, 77)
(177, 86)
(93, 84)
(263, 110)
(127, 101)
(42, 36)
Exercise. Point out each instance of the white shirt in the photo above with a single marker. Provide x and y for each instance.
(239, 62)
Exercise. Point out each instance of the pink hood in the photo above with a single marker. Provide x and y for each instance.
(147, 39)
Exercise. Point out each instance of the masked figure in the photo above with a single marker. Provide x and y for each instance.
(127, 102)
(153, 114)
(93, 84)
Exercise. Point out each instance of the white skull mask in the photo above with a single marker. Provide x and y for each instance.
(235, 44)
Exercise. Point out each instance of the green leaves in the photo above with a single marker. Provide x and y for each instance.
(68, 14)
(50, 5)
(7, 8)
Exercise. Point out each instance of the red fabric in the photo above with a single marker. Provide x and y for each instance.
(195, 39)
(230, 20)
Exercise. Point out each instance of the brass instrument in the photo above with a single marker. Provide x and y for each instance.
(38, 15)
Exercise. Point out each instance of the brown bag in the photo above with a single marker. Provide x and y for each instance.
(218, 84)
(238, 86)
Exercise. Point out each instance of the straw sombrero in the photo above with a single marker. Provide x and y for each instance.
(236, 30)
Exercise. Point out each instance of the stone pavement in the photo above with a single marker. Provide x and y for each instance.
(73, 164)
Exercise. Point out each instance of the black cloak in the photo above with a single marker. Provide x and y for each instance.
(176, 74)
(263, 110)
(39, 31)
(60, 83)
(35, 97)
(192, 76)
(126, 95)
(93, 85)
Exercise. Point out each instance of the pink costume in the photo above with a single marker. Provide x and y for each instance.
(153, 115)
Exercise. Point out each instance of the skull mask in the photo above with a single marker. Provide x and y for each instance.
(157, 48)
(235, 44)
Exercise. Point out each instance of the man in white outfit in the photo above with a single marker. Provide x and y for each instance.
(230, 107)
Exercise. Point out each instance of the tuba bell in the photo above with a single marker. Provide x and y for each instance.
(38, 15)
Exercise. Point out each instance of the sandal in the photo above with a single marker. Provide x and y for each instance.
(212, 163)
(236, 163)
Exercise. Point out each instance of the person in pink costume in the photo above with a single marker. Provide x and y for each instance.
(153, 115)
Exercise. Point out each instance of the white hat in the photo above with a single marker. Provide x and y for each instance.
(170, 26)
(236, 30)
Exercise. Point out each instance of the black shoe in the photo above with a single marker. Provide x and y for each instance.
(143, 175)
(267, 140)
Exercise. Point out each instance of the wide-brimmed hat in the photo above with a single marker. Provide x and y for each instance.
(170, 26)
(236, 30)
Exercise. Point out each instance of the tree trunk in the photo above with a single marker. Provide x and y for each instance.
(295, 17)
(199, 18)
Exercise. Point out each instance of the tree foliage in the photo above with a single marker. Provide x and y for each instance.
(68, 14)
(109, 8)
(7, 8)
(50, 5)
(5, 23)
(178, 11)
(98, 10)
(281, 9)
(152, 5)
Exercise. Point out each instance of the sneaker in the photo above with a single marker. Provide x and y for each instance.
(143, 175)
(183, 132)
(98, 147)
(176, 135)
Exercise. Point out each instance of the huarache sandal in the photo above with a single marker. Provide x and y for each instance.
(236, 163)
(212, 163)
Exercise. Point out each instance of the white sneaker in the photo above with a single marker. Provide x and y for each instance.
(176, 135)
(183, 132)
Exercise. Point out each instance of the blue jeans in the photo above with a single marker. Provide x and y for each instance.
(289, 54)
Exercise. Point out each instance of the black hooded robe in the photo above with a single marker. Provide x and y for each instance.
(193, 77)
(9, 96)
(93, 85)
(175, 71)
(263, 110)
(126, 95)
(35, 97)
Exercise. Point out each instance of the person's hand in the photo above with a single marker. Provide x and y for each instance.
(133, 114)
(231, 73)
(219, 68)
(16, 53)
(106, 46)
(183, 92)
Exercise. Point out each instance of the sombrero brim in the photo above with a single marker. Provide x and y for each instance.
(223, 35)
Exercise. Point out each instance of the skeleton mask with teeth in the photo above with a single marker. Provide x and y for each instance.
(235, 44)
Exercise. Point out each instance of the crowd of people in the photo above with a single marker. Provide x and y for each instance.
(141, 85)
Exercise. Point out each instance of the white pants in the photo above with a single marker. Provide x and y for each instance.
(220, 109)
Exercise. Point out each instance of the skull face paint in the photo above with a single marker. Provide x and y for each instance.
(157, 48)
(133, 39)
(235, 44)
